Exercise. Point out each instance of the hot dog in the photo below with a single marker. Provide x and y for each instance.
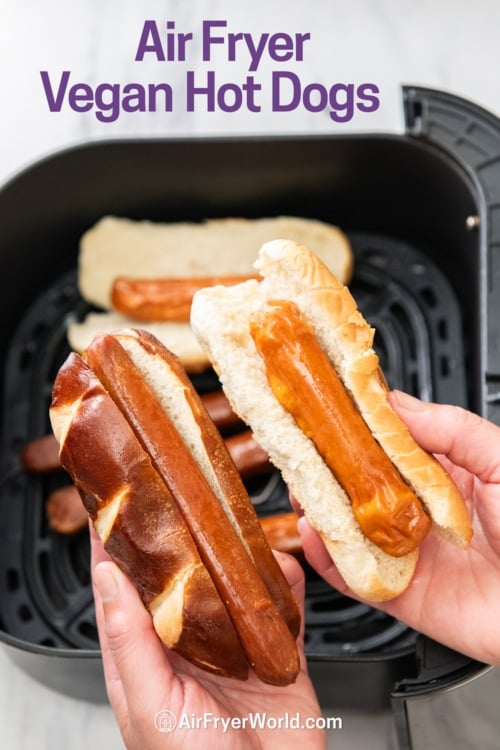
(282, 533)
(248, 457)
(294, 364)
(220, 411)
(317, 405)
(41, 455)
(65, 512)
(177, 520)
(162, 299)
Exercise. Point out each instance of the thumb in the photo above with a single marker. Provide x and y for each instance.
(294, 573)
(129, 642)
(465, 438)
(319, 558)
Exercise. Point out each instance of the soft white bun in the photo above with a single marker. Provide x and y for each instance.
(143, 249)
(220, 320)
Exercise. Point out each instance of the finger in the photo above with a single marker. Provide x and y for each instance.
(465, 438)
(318, 558)
(294, 574)
(112, 678)
(113, 684)
(133, 644)
(97, 551)
(296, 506)
(129, 643)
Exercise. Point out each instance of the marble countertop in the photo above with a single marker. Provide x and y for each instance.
(34, 716)
(385, 44)
(391, 43)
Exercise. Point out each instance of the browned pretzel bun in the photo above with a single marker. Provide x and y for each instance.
(171, 509)
(295, 359)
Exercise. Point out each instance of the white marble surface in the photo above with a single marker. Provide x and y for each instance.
(33, 716)
(436, 43)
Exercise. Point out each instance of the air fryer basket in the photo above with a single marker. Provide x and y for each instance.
(423, 277)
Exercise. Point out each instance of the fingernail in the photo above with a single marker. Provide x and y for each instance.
(303, 524)
(105, 582)
(405, 401)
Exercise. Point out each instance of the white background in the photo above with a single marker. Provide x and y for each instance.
(437, 43)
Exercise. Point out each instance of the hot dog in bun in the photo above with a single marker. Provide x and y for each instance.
(147, 271)
(171, 509)
(296, 360)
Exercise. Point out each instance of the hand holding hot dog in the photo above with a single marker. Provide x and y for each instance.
(454, 596)
(143, 678)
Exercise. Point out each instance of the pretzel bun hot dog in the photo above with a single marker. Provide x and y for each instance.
(295, 359)
(176, 519)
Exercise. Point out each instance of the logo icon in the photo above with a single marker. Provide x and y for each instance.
(165, 721)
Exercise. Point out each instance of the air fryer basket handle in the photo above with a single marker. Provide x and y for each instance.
(449, 686)
(470, 135)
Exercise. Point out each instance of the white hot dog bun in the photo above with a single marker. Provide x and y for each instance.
(220, 318)
(119, 247)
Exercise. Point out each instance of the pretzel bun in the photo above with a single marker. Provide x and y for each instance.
(221, 318)
(169, 505)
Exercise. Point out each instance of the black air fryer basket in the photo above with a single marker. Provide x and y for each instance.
(422, 211)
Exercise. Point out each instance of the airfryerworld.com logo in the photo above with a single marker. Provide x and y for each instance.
(167, 721)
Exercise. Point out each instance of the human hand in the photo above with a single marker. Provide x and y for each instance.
(143, 679)
(454, 596)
